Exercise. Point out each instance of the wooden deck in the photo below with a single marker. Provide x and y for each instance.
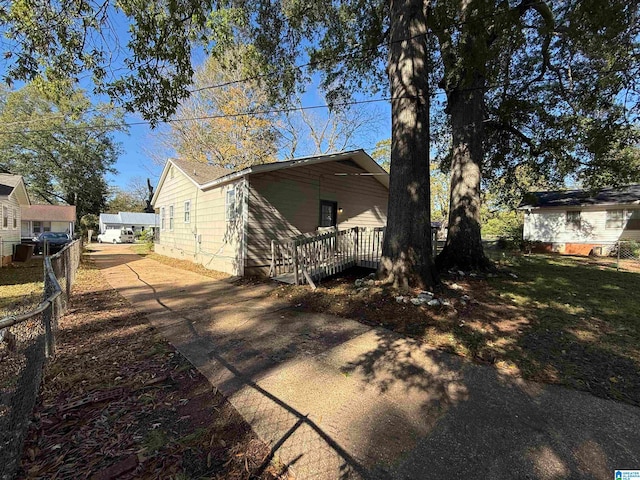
(310, 258)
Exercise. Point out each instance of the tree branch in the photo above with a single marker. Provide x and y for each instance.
(505, 127)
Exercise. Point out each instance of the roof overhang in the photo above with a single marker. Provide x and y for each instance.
(360, 157)
(21, 194)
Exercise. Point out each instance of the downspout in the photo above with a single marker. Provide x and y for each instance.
(245, 224)
(197, 245)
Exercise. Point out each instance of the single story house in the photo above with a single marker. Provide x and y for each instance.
(582, 221)
(47, 218)
(136, 221)
(13, 196)
(226, 220)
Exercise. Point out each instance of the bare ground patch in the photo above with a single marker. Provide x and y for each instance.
(119, 402)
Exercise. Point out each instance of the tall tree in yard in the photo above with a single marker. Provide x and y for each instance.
(60, 143)
(212, 127)
(535, 84)
(526, 82)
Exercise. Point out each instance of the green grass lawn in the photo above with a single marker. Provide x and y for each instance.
(583, 323)
(573, 321)
(21, 287)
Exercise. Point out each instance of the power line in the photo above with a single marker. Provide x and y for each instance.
(210, 117)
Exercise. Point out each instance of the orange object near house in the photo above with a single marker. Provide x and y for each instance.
(583, 249)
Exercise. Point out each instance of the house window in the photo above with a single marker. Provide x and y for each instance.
(5, 217)
(615, 219)
(162, 219)
(573, 220)
(15, 219)
(328, 211)
(231, 204)
(187, 211)
(37, 228)
(170, 217)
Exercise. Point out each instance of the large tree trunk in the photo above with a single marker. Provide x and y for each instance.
(406, 252)
(463, 248)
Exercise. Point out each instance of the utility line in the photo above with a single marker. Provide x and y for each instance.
(210, 117)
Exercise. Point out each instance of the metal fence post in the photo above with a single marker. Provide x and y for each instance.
(67, 272)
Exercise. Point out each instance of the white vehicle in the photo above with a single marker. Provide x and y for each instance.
(124, 235)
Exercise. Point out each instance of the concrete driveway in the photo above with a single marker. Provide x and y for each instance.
(337, 399)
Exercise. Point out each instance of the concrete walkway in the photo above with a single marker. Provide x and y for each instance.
(336, 399)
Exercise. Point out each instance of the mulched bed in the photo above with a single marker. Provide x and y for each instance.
(119, 402)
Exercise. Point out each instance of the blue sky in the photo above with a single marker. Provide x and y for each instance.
(137, 162)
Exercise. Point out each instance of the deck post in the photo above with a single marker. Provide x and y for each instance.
(295, 263)
(272, 269)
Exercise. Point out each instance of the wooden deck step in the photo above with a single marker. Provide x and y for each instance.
(286, 278)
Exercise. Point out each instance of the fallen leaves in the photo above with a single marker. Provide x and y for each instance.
(119, 402)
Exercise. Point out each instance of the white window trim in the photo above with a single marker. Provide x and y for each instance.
(163, 224)
(172, 212)
(622, 219)
(5, 216)
(570, 225)
(187, 210)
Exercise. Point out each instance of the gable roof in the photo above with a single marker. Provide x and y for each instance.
(200, 173)
(61, 213)
(14, 183)
(219, 176)
(628, 195)
(110, 218)
(129, 218)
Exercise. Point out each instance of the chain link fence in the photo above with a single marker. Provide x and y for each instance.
(26, 341)
(627, 254)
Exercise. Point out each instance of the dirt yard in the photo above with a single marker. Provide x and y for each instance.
(119, 402)
(561, 320)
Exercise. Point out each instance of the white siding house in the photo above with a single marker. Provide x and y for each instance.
(579, 220)
(136, 221)
(226, 220)
(13, 195)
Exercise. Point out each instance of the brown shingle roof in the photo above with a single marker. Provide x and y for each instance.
(201, 172)
(56, 213)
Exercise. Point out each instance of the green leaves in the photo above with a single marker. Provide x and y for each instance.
(60, 143)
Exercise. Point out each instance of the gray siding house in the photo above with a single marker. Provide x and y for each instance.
(226, 220)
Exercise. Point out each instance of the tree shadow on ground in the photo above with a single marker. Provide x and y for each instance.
(557, 322)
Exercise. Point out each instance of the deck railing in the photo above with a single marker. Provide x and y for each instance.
(306, 258)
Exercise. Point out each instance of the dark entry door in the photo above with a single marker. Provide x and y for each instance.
(328, 213)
